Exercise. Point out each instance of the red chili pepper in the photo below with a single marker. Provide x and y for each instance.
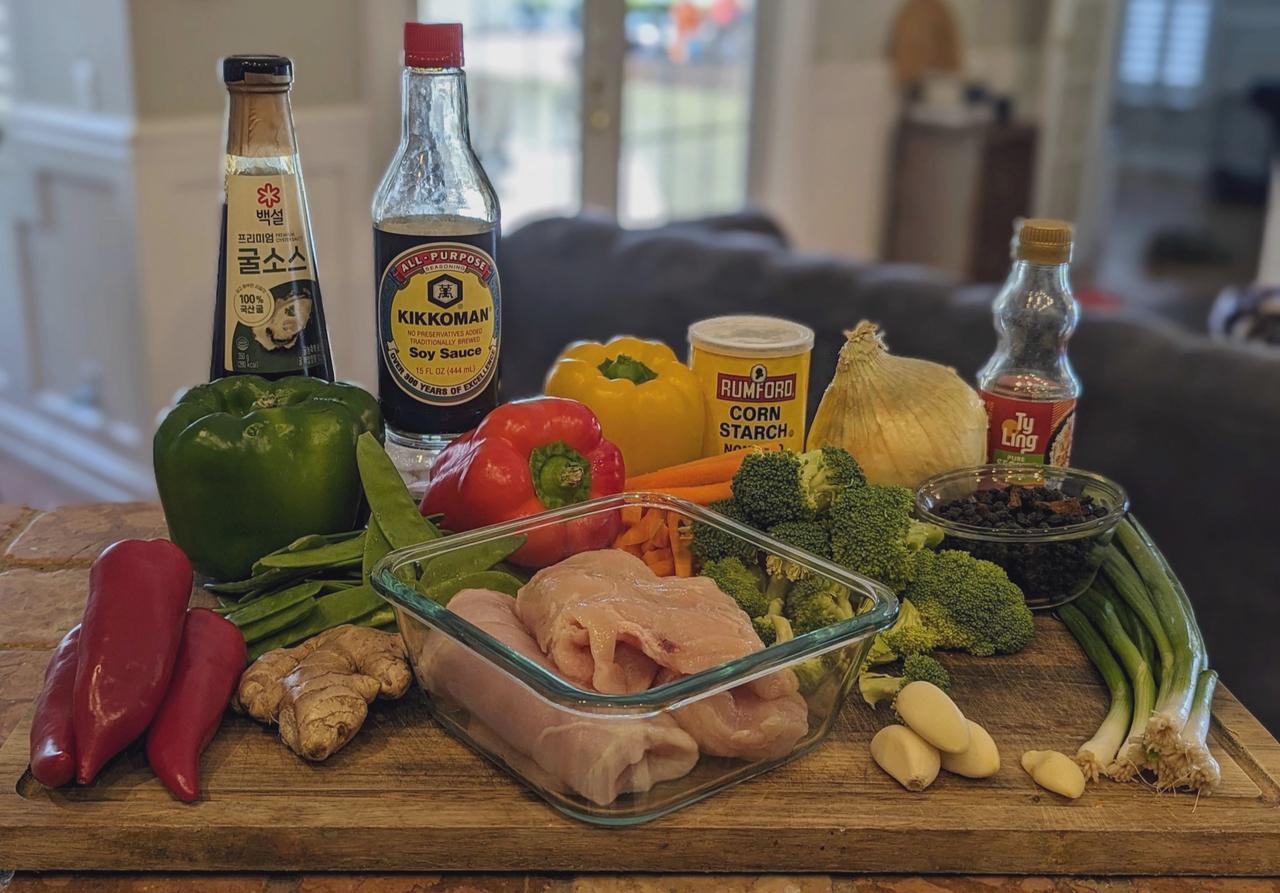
(53, 742)
(210, 660)
(138, 594)
(524, 458)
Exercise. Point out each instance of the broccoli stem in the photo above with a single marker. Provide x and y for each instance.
(1133, 757)
(776, 590)
(1164, 730)
(1099, 752)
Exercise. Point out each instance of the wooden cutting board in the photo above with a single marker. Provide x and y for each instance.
(406, 796)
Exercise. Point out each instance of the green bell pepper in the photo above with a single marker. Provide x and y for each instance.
(245, 466)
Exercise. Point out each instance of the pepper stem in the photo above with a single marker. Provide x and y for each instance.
(623, 366)
(561, 475)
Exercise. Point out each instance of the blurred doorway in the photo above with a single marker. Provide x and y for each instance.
(641, 109)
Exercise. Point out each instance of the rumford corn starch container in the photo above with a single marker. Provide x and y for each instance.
(754, 372)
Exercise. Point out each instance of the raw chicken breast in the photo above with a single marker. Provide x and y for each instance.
(742, 723)
(608, 622)
(600, 759)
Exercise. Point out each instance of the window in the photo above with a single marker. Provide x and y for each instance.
(681, 116)
(1163, 47)
(524, 76)
(686, 104)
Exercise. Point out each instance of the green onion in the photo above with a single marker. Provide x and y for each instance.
(1134, 626)
(1133, 758)
(1128, 585)
(1202, 771)
(1178, 685)
(1099, 752)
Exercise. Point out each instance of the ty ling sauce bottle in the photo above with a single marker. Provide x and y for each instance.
(1028, 385)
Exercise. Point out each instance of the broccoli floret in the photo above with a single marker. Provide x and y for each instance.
(908, 635)
(969, 604)
(815, 602)
(807, 535)
(711, 544)
(812, 673)
(876, 688)
(829, 470)
(737, 581)
(773, 628)
(779, 486)
(873, 533)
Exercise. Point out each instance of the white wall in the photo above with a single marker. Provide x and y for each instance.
(833, 106)
(109, 208)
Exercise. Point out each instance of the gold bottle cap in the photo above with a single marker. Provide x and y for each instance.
(1045, 241)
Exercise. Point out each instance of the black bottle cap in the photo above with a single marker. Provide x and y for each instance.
(234, 68)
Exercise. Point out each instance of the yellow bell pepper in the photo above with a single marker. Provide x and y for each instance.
(648, 402)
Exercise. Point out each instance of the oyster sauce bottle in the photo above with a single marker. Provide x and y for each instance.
(268, 319)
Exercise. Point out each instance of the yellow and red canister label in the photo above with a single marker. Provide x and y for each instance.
(752, 401)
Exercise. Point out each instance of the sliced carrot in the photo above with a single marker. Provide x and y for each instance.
(708, 470)
(703, 494)
(681, 557)
(642, 532)
(631, 550)
(631, 515)
(660, 539)
(660, 562)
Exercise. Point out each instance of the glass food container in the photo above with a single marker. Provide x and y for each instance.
(622, 759)
(1052, 565)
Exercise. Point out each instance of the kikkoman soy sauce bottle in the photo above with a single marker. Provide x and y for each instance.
(268, 319)
(435, 234)
(1028, 385)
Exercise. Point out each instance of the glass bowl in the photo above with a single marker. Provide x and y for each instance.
(1052, 565)
(614, 759)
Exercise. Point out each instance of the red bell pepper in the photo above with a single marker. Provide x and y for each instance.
(524, 458)
(138, 594)
(53, 743)
(210, 660)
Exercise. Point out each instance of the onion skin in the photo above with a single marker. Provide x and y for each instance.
(903, 419)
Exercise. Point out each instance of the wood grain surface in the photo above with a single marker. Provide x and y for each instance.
(405, 796)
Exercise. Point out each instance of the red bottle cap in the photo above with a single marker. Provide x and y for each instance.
(434, 45)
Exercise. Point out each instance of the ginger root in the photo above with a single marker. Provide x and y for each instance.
(318, 692)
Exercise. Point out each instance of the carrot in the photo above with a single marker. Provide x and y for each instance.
(631, 515)
(660, 562)
(661, 539)
(681, 557)
(643, 532)
(702, 494)
(708, 470)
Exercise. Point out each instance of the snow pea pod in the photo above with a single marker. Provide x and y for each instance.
(328, 587)
(281, 620)
(382, 618)
(444, 590)
(376, 548)
(389, 500)
(274, 603)
(469, 559)
(264, 582)
(330, 611)
(329, 555)
(306, 543)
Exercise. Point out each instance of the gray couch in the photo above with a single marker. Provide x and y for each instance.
(1191, 428)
